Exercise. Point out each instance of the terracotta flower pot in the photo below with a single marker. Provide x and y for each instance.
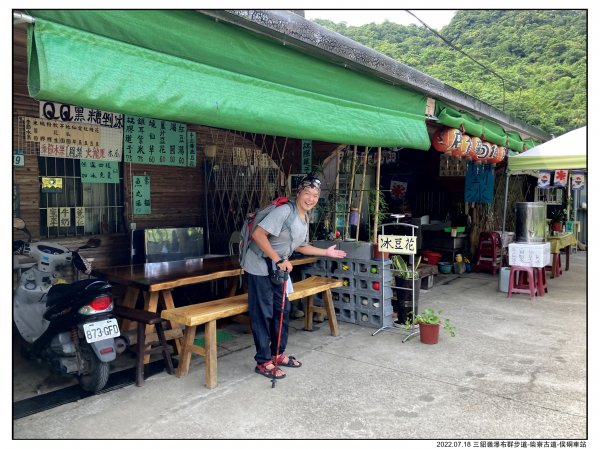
(429, 333)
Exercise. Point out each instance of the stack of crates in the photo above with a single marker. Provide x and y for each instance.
(360, 300)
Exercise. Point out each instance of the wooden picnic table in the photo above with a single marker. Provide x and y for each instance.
(155, 280)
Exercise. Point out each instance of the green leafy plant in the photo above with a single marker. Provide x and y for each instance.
(402, 270)
(558, 215)
(429, 316)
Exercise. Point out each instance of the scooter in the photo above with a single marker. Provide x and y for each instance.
(69, 326)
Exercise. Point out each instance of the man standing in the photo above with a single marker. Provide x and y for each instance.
(276, 242)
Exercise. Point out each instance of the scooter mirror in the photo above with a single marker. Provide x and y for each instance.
(91, 243)
(18, 223)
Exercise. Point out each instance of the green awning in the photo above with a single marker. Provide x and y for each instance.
(184, 66)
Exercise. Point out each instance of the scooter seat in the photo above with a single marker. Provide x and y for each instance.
(60, 291)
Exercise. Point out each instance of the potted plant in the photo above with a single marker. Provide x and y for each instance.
(557, 218)
(409, 280)
(429, 326)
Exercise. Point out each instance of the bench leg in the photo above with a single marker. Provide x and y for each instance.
(333, 325)
(186, 354)
(210, 357)
(308, 314)
(165, 348)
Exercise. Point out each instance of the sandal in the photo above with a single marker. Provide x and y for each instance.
(263, 368)
(291, 363)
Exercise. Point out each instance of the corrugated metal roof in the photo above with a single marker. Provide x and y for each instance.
(294, 30)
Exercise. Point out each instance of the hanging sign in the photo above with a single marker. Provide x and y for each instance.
(52, 216)
(92, 171)
(577, 179)
(77, 114)
(306, 156)
(560, 178)
(64, 217)
(397, 244)
(154, 141)
(80, 216)
(51, 185)
(398, 189)
(544, 179)
(73, 140)
(141, 195)
(479, 183)
(191, 148)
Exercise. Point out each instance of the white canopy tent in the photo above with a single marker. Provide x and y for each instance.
(567, 151)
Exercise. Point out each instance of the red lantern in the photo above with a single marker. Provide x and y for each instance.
(476, 149)
(493, 154)
(447, 140)
(499, 156)
(466, 147)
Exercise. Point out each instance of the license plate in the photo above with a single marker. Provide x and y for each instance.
(101, 330)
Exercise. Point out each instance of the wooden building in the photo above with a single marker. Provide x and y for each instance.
(249, 87)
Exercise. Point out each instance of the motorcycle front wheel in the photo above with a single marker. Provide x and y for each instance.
(97, 372)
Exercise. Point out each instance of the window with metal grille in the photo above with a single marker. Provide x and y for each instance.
(86, 208)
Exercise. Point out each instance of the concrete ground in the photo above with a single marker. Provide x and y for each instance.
(517, 369)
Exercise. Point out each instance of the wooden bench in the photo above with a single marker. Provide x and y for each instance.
(143, 347)
(209, 312)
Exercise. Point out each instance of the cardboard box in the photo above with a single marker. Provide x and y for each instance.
(529, 254)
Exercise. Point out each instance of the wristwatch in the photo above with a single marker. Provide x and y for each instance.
(280, 261)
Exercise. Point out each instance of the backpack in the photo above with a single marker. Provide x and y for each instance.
(254, 218)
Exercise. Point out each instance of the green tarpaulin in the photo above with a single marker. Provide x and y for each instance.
(184, 66)
(485, 129)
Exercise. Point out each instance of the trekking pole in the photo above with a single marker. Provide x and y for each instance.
(285, 278)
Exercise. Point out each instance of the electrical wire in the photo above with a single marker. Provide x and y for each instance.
(446, 41)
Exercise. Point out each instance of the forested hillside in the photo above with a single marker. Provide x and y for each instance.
(540, 54)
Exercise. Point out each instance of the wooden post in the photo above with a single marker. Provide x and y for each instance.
(375, 218)
(362, 189)
(350, 193)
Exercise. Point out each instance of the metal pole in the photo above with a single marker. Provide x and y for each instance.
(503, 226)
(350, 192)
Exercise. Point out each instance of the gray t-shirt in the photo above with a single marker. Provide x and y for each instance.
(279, 238)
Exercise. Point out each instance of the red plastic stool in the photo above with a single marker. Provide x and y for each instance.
(513, 281)
(542, 284)
(539, 274)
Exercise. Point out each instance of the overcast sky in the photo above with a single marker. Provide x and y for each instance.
(434, 18)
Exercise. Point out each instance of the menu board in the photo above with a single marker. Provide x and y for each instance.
(154, 141)
(93, 171)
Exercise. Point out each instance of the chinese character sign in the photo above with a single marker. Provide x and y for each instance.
(141, 195)
(99, 171)
(479, 183)
(74, 140)
(154, 141)
(397, 244)
(77, 114)
(191, 148)
(306, 156)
